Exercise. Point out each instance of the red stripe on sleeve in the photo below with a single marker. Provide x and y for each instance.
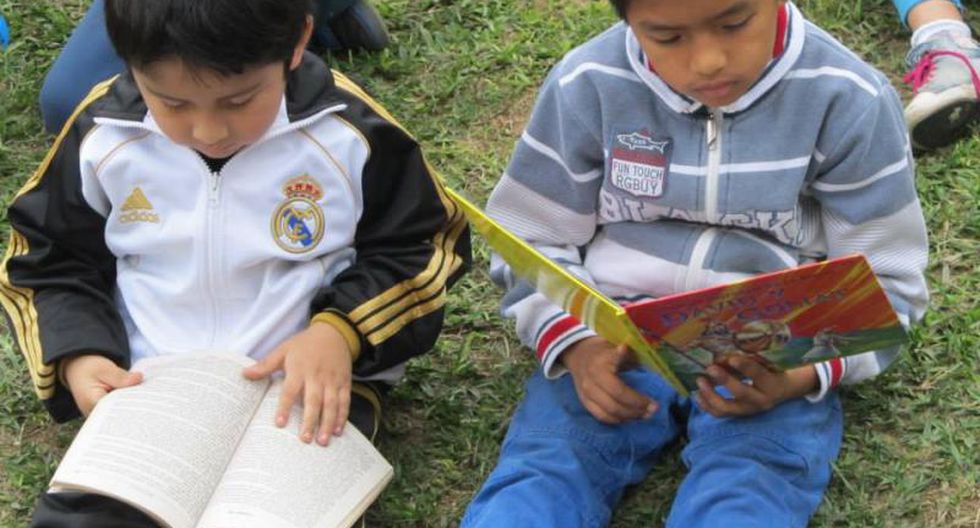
(553, 333)
(836, 371)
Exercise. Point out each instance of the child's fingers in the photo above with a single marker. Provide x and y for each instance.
(118, 378)
(611, 409)
(87, 401)
(762, 378)
(291, 388)
(599, 412)
(746, 397)
(313, 403)
(710, 401)
(629, 398)
(343, 409)
(328, 415)
(266, 365)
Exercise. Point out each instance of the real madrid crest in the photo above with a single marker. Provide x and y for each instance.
(297, 225)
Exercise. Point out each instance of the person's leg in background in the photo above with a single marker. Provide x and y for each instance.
(88, 57)
(350, 24)
(943, 64)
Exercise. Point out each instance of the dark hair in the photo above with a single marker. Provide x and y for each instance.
(224, 36)
(620, 7)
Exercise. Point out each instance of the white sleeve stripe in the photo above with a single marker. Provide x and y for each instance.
(736, 168)
(894, 168)
(807, 73)
(823, 384)
(547, 151)
(601, 68)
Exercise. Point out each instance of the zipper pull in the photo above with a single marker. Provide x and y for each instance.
(214, 188)
(712, 130)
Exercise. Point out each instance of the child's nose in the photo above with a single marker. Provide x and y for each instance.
(708, 60)
(209, 131)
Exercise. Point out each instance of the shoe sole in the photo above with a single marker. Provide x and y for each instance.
(936, 120)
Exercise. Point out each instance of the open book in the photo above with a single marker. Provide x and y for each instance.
(194, 445)
(783, 319)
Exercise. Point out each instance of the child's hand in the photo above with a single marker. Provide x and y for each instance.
(317, 362)
(762, 390)
(595, 364)
(91, 376)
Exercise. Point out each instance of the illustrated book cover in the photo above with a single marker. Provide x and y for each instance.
(783, 319)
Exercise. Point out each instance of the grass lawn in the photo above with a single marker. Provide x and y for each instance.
(462, 75)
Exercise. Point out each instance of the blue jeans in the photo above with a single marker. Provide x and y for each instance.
(88, 58)
(560, 467)
(904, 6)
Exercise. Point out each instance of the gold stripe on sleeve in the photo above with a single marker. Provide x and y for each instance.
(19, 302)
(19, 305)
(392, 309)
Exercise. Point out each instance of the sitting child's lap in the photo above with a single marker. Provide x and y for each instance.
(798, 432)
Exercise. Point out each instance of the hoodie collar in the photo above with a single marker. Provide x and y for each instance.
(773, 72)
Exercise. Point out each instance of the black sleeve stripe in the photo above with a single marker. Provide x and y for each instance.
(19, 302)
(387, 313)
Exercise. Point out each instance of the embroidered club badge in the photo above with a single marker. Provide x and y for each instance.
(297, 225)
(639, 163)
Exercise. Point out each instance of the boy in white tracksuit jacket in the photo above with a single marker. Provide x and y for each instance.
(229, 193)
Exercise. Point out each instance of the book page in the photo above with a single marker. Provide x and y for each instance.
(163, 445)
(276, 481)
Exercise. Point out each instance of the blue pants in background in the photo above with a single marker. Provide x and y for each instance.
(88, 58)
(560, 467)
(904, 6)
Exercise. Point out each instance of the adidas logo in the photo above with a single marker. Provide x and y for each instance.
(137, 208)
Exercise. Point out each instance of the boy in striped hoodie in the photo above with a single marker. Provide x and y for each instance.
(694, 144)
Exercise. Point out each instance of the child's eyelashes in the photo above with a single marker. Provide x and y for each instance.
(737, 25)
(238, 103)
(666, 41)
(229, 104)
(173, 105)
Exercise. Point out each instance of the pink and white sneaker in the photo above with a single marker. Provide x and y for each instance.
(943, 74)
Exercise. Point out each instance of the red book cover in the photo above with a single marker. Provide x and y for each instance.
(783, 319)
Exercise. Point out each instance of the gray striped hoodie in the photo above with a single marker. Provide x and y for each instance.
(644, 192)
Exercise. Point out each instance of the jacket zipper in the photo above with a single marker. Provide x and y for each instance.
(713, 127)
(712, 137)
(210, 274)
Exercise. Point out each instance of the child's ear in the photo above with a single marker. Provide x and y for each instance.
(304, 39)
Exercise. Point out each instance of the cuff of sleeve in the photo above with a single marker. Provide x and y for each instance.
(829, 373)
(346, 329)
(555, 339)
